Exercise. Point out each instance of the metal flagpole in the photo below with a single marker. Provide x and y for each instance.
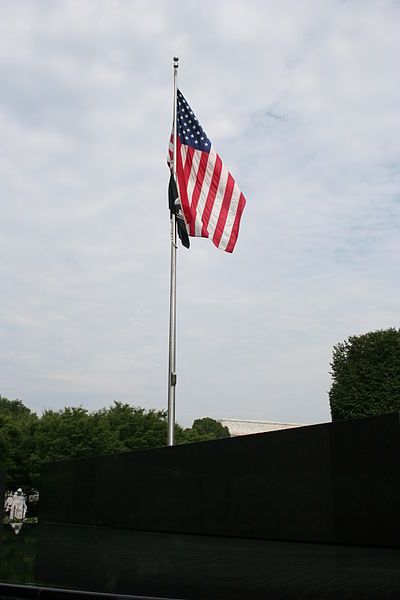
(172, 298)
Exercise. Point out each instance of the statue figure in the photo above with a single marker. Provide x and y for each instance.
(7, 504)
(18, 506)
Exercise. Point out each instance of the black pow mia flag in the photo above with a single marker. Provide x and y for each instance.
(176, 208)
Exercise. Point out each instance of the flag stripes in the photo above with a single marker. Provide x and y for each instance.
(211, 200)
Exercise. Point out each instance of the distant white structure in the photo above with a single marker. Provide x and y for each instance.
(243, 427)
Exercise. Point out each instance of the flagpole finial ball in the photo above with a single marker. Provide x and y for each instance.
(176, 59)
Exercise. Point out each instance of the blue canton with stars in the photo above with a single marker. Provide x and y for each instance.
(189, 129)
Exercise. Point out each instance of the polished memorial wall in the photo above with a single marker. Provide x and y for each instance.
(331, 483)
(58, 562)
(182, 522)
(198, 567)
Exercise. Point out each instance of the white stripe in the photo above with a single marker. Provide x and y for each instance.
(212, 157)
(230, 218)
(216, 209)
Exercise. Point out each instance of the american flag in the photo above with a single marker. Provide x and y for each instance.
(211, 201)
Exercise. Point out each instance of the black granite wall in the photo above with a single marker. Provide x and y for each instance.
(336, 482)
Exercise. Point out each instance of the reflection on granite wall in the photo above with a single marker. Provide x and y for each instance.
(17, 553)
(168, 565)
(336, 482)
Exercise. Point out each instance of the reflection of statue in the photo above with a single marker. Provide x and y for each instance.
(18, 507)
(16, 527)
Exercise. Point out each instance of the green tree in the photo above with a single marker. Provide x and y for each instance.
(134, 427)
(13, 408)
(206, 429)
(366, 375)
(64, 434)
(17, 442)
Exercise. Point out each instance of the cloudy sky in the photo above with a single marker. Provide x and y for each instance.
(301, 100)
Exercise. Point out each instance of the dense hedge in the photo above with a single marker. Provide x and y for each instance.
(366, 375)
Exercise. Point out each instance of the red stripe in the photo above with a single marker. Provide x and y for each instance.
(205, 217)
(235, 229)
(188, 166)
(170, 151)
(223, 214)
(197, 187)
(182, 184)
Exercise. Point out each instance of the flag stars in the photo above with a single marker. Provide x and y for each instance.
(189, 128)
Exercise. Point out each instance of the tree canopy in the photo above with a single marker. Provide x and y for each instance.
(208, 429)
(28, 440)
(366, 375)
